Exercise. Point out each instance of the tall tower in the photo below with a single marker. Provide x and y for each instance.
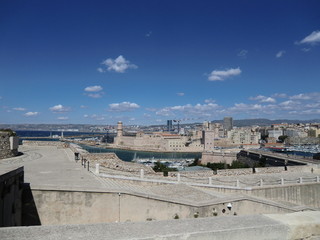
(169, 125)
(227, 123)
(208, 140)
(119, 129)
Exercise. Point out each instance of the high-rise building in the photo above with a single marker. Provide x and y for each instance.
(227, 123)
(169, 125)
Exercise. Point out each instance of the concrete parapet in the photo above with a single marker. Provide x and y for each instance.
(272, 227)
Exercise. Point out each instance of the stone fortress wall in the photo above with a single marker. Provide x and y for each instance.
(158, 141)
(8, 145)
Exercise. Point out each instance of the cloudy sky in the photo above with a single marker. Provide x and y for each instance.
(146, 61)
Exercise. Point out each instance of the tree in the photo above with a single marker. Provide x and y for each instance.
(160, 167)
(282, 138)
(195, 162)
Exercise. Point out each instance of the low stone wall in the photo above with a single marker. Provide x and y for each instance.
(45, 143)
(265, 170)
(191, 174)
(217, 157)
(234, 172)
(111, 161)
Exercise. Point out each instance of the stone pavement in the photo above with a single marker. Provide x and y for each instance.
(50, 167)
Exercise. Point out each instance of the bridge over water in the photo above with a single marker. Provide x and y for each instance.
(277, 159)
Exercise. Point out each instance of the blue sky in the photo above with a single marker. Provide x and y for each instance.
(146, 61)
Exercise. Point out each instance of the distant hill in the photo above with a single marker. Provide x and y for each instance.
(266, 122)
(89, 127)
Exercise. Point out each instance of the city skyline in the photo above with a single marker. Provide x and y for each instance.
(144, 62)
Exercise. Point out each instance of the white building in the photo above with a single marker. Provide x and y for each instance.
(243, 136)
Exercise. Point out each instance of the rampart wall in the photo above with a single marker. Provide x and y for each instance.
(70, 207)
(8, 145)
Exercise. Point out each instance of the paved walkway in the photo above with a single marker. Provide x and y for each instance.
(52, 168)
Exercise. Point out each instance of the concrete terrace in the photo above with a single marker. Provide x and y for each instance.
(54, 168)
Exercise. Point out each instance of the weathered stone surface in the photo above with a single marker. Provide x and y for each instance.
(7, 148)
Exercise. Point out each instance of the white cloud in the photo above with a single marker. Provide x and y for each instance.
(83, 106)
(315, 96)
(1, 97)
(119, 65)
(180, 94)
(189, 110)
(62, 118)
(166, 112)
(123, 107)
(246, 107)
(101, 70)
(93, 89)
(151, 109)
(218, 75)
(100, 118)
(263, 99)
(209, 100)
(243, 53)
(301, 96)
(59, 109)
(31, 114)
(95, 117)
(280, 53)
(148, 34)
(306, 49)
(289, 105)
(313, 38)
(19, 109)
(279, 95)
(95, 95)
